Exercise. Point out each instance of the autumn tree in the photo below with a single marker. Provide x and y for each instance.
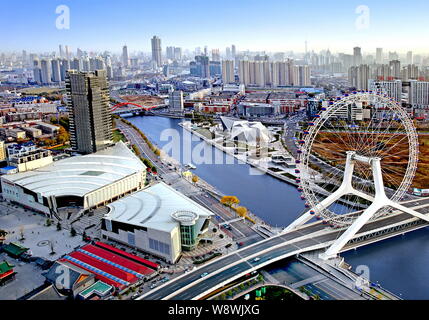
(241, 211)
(63, 135)
(230, 201)
(195, 179)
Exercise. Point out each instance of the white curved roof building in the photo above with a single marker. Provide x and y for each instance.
(157, 219)
(86, 181)
(250, 132)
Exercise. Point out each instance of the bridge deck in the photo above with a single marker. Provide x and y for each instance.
(307, 238)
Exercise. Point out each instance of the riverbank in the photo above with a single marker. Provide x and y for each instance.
(254, 164)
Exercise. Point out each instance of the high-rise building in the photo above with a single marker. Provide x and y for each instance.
(45, 67)
(125, 58)
(228, 71)
(56, 71)
(357, 56)
(156, 51)
(65, 65)
(393, 88)
(215, 55)
(176, 101)
(410, 72)
(244, 72)
(89, 111)
(263, 73)
(109, 68)
(76, 64)
(85, 64)
(301, 76)
(395, 66)
(202, 65)
(67, 52)
(419, 93)
(410, 57)
(177, 54)
(233, 51)
(393, 56)
(359, 77)
(379, 56)
(37, 71)
(169, 51)
(61, 51)
(228, 53)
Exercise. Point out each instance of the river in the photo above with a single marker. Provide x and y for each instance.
(398, 264)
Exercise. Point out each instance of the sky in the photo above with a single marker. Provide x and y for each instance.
(256, 25)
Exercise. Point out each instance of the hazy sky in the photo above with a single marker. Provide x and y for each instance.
(271, 25)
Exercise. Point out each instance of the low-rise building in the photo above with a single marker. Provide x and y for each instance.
(48, 128)
(32, 131)
(257, 109)
(31, 160)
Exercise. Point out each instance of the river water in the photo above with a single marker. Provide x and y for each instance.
(398, 264)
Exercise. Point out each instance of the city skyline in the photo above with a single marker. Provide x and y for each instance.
(288, 25)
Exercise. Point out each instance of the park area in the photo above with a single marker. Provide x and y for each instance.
(143, 100)
(393, 149)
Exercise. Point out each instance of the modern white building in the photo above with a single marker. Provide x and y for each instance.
(81, 181)
(392, 88)
(419, 98)
(252, 133)
(158, 220)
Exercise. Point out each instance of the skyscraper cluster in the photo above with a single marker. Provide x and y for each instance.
(174, 53)
(53, 70)
(273, 74)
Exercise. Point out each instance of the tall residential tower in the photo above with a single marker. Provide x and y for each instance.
(156, 51)
(89, 111)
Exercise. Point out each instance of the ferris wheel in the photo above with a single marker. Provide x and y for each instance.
(371, 125)
(357, 159)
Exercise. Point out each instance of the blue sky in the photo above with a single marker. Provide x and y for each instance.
(272, 25)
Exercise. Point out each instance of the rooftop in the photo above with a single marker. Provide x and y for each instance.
(153, 207)
(81, 174)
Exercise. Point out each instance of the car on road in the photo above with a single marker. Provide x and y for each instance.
(135, 296)
(205, 274)
(256, 259)
(153, 285)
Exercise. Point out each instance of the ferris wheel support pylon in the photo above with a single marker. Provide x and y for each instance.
(345, 189)
(380, 201)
